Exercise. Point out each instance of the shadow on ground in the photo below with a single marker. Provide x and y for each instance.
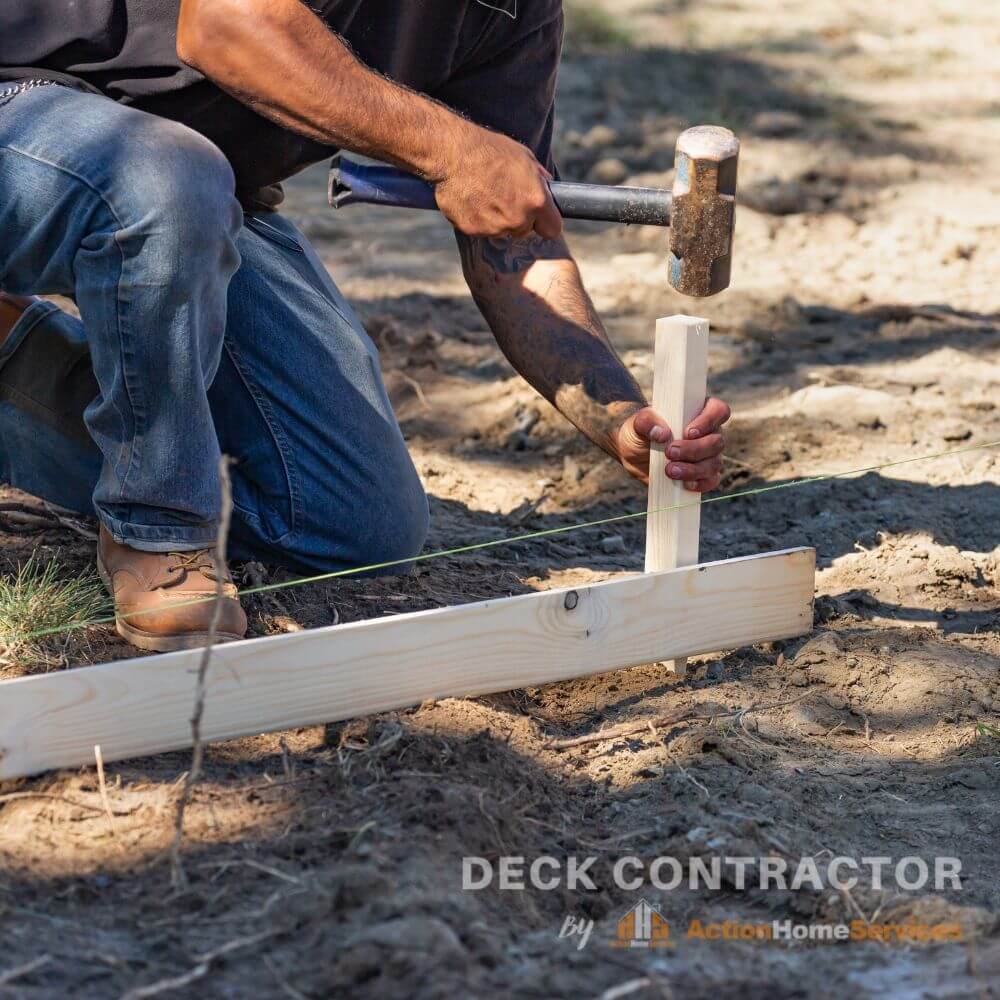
(334, 863)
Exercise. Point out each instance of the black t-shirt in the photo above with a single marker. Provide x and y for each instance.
(494, 62)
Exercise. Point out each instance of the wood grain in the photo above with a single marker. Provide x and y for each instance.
(143, 706)
(680, 376)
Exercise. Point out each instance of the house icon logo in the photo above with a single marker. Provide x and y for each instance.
(643, 926)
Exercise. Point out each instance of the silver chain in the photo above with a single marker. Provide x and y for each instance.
(7, 95)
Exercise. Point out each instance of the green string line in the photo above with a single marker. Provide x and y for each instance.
(511, 540)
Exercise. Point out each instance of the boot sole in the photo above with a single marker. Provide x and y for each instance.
(159, 643)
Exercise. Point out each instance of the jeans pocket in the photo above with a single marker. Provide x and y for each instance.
(272, 233)
(307, 265)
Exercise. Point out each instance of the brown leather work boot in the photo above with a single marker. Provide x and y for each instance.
(160, 596)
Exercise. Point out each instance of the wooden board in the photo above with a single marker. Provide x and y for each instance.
(137, 707)
(680, 374)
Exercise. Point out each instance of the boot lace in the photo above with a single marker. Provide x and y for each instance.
(200, 561)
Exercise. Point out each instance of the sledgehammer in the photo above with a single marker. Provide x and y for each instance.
(699, 210)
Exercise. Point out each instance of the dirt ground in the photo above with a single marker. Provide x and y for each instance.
(861, 328)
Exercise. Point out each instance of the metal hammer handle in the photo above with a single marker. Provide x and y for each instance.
(699, 210)
(360, 183)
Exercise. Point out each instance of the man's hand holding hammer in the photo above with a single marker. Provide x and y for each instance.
(279, 58)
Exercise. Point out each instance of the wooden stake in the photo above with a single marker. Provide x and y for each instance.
(680, 376)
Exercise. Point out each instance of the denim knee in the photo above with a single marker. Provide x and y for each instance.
(181, 190)
(387, 526)
(402, 530)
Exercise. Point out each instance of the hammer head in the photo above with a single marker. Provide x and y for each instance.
(704, 199)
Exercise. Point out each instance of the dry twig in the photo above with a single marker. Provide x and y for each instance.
(285, 985)
(22, 518)
(19, 971)
(103, 785)
(631, 728)
(78, 527)
(659, 721)
(626, 989)
(177, 876)
(416, 387)
(14, 796)
(204, 963)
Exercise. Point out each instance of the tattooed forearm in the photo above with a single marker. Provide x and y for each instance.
(507, 256)
(530, 292)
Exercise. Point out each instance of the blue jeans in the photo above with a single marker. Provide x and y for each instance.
(202, 331)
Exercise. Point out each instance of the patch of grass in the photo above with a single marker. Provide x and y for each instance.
(39, 597)
(589, 25)
(985, 729)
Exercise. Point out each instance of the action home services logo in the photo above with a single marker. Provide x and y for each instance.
(643, 926)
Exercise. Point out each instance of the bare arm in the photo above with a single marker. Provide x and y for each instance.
(279, 58)
(532, 296)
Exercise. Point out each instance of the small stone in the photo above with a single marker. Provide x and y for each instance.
(609, 170)
(613, 544)
(599, 137)
(846, 405)
(756, 793)
(652, 178)
(958, 251)
(526, 420)
(768, 729)
(777, 123)
(776, 197)
(792, 310)
(572, 472)
(806, 720)
(955, 430)
(819, 649)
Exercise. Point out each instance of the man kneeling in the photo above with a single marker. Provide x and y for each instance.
(140, 153)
